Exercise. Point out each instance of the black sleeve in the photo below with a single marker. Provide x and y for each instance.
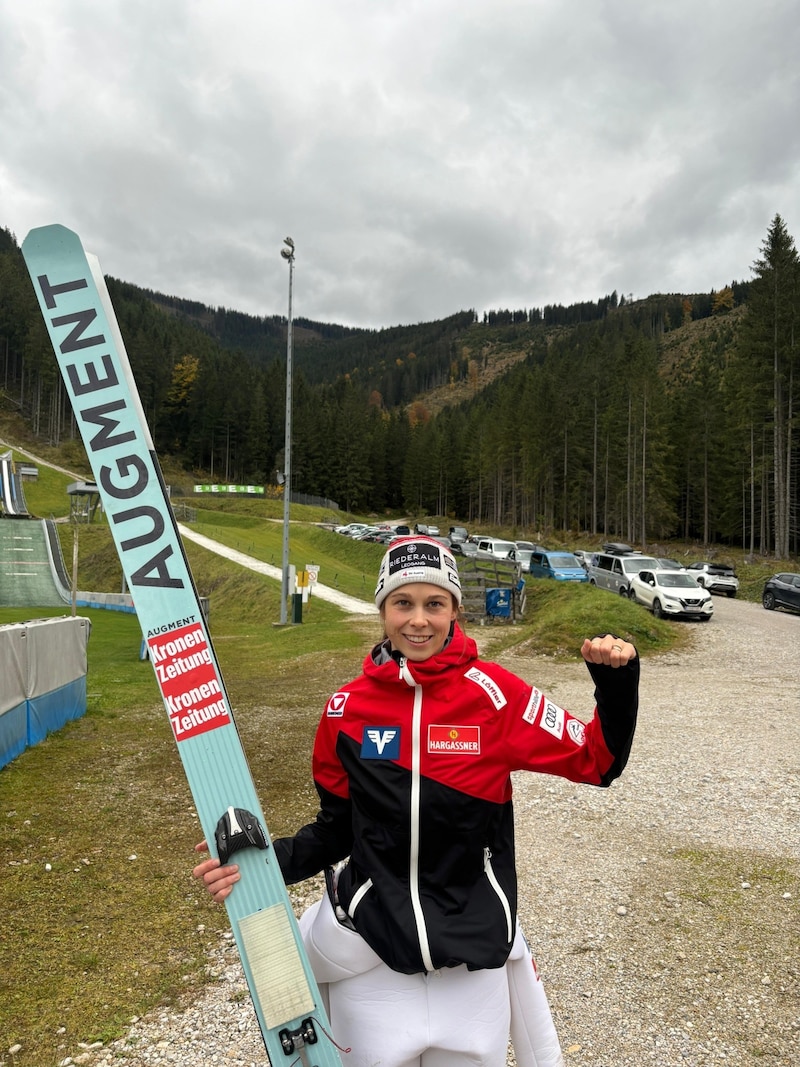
(617, 697)
(318, 844)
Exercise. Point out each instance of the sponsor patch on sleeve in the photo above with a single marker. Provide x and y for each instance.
(577, 731)
(335, 708)
(552, 719)
(491, 687)
(380, 742)
(529, 714)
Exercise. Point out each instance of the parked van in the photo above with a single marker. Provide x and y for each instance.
(562, 566)
(494, 548)
(612, 570)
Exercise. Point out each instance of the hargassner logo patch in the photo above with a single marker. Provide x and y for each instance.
(577, 731)
(485, 682)
(380, 742)
(529, 714)
(454, 739)
(335, 708)
(552, 719)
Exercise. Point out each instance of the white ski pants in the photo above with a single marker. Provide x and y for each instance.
(450, 1018)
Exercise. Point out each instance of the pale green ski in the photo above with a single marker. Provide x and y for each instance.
(91, 354)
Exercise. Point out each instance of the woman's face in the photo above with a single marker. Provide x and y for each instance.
(417, 618)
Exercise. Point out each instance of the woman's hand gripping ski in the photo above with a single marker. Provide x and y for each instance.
(218, 880)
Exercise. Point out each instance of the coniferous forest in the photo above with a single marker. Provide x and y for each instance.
(668, 416)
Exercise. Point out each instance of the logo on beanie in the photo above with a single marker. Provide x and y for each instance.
(417, 560)
(414, 556)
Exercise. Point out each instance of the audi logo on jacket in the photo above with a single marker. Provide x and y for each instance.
(412, 763)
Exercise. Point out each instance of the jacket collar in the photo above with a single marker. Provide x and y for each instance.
(459, 651)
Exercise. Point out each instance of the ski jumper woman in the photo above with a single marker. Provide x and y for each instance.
(417, 942)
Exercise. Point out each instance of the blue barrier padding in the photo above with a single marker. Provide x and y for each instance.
(107, 605)
(52, 710)
(13, 732)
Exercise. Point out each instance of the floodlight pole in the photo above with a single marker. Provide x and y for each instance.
(288, 254)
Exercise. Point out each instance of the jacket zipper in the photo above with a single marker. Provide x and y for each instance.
(413, 859)
(487, 866)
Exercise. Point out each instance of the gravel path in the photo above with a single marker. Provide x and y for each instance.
(347, 603)
(663, 911)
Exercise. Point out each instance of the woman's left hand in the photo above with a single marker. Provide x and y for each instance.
(611, 650)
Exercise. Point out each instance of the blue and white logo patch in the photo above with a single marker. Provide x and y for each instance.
(380, 742)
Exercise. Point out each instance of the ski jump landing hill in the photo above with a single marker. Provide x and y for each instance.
(42, 662)
(32, 571)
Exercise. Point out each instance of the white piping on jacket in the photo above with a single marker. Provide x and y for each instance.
(493, 882)
(416, 903)
(358, 896)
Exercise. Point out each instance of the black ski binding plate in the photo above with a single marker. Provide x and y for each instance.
(238, 829)
(292, 1040)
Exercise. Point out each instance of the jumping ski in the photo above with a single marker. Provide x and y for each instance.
(80, 320)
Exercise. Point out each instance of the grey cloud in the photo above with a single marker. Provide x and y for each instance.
(426, 158)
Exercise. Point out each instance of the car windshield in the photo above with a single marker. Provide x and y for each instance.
(504, 546)
(677, 580)
(567, 561)
(634, 564)
(523, 555)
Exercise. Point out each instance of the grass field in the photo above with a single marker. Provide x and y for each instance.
(103, 917)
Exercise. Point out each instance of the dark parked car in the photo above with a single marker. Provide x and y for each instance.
(377, 537)
(464, 548)
(782, 591)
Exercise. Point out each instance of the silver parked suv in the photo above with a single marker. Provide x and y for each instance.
(613, 568)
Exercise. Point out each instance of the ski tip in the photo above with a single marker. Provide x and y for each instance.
(49, 235)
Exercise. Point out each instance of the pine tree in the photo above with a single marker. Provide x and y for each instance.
(769, 352)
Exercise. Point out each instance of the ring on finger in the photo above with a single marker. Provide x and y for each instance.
(616, 648)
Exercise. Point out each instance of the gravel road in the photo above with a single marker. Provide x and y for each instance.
(663, 911)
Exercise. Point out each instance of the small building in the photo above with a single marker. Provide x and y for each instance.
(84, 501)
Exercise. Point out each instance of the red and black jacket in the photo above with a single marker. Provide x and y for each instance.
(412, 763)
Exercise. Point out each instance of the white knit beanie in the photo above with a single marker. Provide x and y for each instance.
(417, 559)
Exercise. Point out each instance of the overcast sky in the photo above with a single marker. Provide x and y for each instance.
(426, 156)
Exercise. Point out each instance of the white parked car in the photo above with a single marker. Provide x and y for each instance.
(352, 528)
(494, 548)
(717, 577)
(671, 594)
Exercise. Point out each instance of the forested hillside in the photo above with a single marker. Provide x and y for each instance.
(669, 416)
